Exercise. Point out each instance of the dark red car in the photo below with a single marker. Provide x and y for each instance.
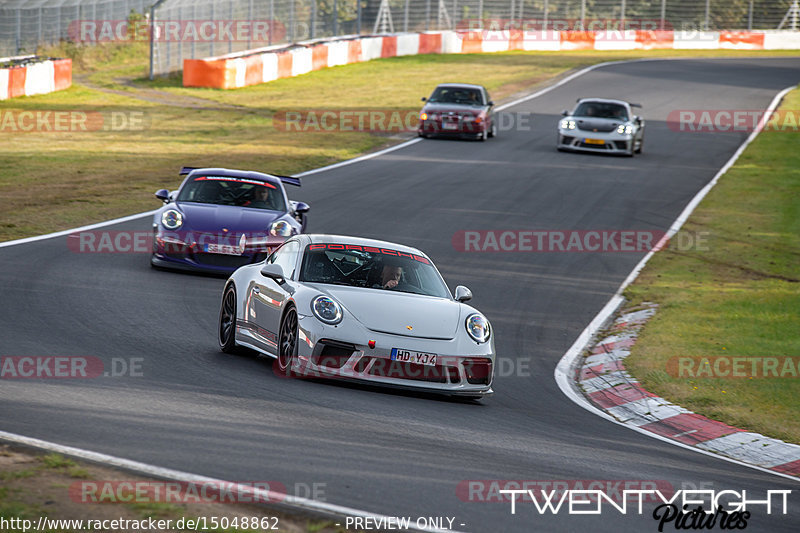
(459, 110)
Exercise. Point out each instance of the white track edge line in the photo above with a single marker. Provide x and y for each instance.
(568, 361)
(287, 500)
(82, 228)
(359, 158)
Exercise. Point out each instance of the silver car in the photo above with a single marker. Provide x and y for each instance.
(601, 125)
(359, 309)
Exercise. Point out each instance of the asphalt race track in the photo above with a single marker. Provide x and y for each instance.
(201, 411)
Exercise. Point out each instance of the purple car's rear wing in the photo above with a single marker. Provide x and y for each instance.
(289, 180)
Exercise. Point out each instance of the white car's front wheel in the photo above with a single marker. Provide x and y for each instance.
(287, 341)
(227, 321)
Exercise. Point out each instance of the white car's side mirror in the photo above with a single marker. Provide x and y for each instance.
(463, 294)
(271, 270)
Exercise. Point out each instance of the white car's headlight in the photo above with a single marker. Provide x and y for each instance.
(281, 228)
(625, 129)
(478, 327)
(567, 124)
(172, 219)
(326, 309)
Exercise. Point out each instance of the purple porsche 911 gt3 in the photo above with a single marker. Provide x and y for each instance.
(220, 219)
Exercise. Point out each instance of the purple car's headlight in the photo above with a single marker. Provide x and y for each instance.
(172, 219)
(281, 228)
(478, 327)
(327, 310)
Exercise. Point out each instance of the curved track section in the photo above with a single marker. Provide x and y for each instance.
(198, 410)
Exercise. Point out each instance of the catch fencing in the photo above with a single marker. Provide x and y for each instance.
(190, 29)
(26, 25)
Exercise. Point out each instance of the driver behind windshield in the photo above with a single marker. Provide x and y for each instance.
(390, 276)
(261, 198)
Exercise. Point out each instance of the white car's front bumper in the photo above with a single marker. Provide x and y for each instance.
(586, 141)
(462, 368)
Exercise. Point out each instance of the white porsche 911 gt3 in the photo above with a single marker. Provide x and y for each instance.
(359, 309)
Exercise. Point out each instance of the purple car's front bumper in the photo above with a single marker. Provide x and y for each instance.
(174, 253)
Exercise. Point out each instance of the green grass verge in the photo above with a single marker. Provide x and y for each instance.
(57, 180)
(739, 296)
(34, 486)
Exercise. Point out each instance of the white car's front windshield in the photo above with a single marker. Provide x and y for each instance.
(371, 268)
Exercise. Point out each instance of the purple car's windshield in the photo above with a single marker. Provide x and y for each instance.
(373, 268)
(241, 192)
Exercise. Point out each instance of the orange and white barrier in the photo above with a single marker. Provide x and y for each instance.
(36, 77)
(741, 40)
(259, 66)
